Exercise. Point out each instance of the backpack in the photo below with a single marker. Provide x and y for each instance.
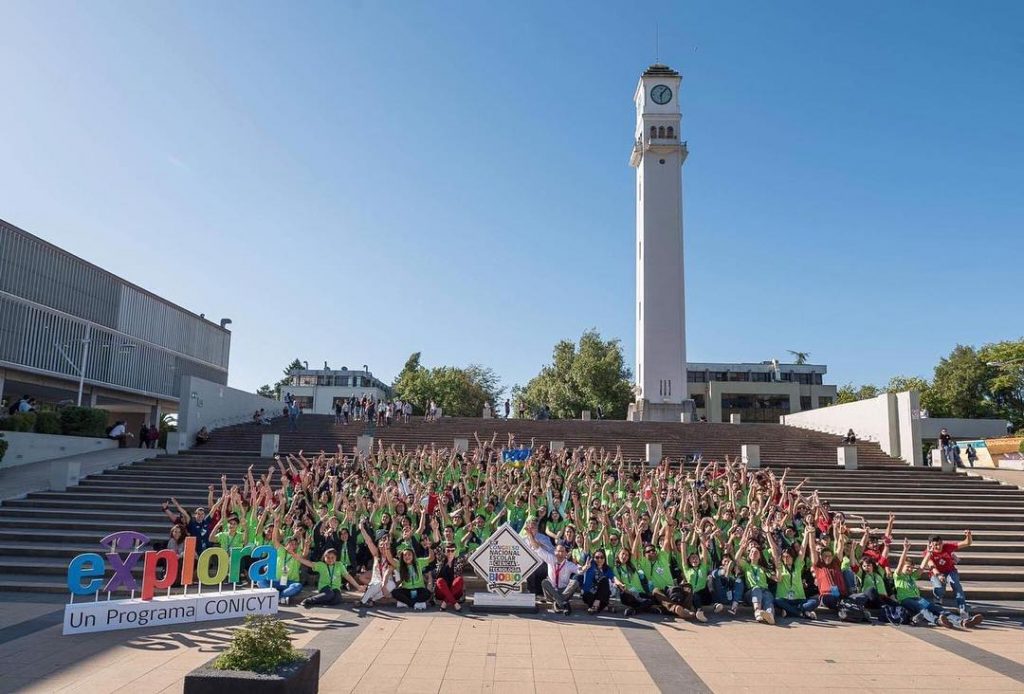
(894, 614)
(850, 611)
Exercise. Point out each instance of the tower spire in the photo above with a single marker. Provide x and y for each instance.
(657, 43)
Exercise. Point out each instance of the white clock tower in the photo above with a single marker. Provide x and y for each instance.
(658, 156)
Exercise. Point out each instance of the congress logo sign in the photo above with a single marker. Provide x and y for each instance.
(505, 560)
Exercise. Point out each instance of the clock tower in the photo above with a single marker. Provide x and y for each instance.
(658, 156)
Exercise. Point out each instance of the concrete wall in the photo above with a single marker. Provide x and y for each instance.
(28, 448)
(963, 428)
(872, 420)
(204, 403)
(908, 410)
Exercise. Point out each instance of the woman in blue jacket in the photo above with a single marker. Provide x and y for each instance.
(597, 582)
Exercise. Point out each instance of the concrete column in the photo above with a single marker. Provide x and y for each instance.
(686, 417)
(556, 446)
(63, 474)
(846, 456)
(154, 415)
(3, 374)
(175, 442)
(487, 412)
(947, 465)
(270, 444)
(734, 419)
(364, 444)
(585, 415)
(750, 455)
(461, 446)
(92, 397)
(653, 451)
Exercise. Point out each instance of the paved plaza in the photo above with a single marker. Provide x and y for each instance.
(388, 650)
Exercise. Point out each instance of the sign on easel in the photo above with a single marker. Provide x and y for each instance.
(505, 561)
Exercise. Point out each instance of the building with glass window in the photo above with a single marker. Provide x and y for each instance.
(71, 331)
(760, 392)
(316, 391)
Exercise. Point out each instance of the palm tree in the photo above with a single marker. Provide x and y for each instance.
(799, 357)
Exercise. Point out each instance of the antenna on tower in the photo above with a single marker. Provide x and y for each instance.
(657, 44)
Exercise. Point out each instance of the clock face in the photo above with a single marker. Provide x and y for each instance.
(661, 94)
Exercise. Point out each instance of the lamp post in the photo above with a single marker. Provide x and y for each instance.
(80, 366)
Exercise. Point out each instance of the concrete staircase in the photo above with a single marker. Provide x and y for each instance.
(40, 533)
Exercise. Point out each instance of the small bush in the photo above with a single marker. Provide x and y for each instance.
(83, 421)
(3, 446)
(47, 423)
(262, 645)
(1021, 446)
(23, 421)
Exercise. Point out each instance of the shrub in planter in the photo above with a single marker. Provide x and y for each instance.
(260, 659)
(3, 446)
(47, 423)
(23, 421)
(83, 421)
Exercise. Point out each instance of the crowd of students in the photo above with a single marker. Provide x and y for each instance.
(698, 540)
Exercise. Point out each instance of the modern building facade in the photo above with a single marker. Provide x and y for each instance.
(758, 392)
(317, 390)
(658, 156)
(70, 330)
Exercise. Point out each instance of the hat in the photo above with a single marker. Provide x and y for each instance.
(381, 534)
(330, 550)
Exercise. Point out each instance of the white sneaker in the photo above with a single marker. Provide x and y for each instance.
(758, 616)
(719, 607)
(812, 615)
(734, 607)
(420, 606)
(768, 616)
(399, 603)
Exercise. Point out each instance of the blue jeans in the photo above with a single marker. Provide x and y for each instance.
(797, 607)
(763, 597)
(726, 589)
(923, 607)
(939, 588)
(289, 590)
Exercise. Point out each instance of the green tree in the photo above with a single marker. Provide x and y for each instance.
(960, 385)
(589, 375)
(898, 384)
(1006, 382)
(848, 393)
(274, 391)
(459, 391)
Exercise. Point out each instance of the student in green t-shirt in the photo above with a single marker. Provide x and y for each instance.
(696, 568)
(330, 575)
(789, 584)
(409, 569)
(909, 597)
(632, 584)
(288, 583)
(755, 579)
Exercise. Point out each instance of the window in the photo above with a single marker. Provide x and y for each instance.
(824, 400)
(661, 131)
(760, 377)
(719, 375)
(654, 132)
(805, 402)
(640, 310)
(307, 381)
(738, 376)
(698, 401)
(640, 251)
(696, 377)
(671, 132)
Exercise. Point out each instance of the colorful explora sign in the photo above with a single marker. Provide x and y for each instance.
(213, 567)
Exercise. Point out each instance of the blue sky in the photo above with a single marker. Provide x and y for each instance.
(354, 181)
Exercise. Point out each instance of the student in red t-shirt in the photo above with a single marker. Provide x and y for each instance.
(941, 562)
